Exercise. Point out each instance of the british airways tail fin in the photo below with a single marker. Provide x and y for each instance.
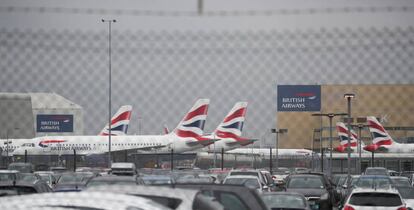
(119, 122)
(343, 131)
(192, 125)
(380, 135)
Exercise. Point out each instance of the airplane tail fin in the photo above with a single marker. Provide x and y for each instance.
(343, 131)
(232, 125)
(192, 125)
(380, 135)
(119, 122)
(166, 130)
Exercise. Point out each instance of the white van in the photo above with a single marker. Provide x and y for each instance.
(123, 169)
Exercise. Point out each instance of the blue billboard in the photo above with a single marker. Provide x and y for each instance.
(298, 98)
(54, 123)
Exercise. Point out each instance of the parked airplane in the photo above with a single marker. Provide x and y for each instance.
(185, 137)
(342, 130)
(382, 141)
(119, 122)
(229, 131)
(266, 152)
(119, 126)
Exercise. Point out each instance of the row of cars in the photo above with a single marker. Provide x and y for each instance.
(376, 189)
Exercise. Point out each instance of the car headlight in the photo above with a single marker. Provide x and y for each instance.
(325, 196)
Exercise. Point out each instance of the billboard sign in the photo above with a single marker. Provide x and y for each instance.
(298, 98)
(54, 123)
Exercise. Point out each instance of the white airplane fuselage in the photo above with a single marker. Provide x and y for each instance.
(86, 145)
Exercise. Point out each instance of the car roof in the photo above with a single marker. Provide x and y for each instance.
(242, 177)
(9, 171)
(114, 178)
(93, 200)
(187, 196)
(375, 190)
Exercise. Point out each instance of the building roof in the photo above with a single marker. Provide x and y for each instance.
(51, 101)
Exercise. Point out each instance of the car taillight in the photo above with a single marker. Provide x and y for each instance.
(348, 208)
(402, 208)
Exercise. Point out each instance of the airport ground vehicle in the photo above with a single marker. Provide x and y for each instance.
(78, 200)
(124, 169)
(180, 199)
(285, 200)
(232, 197)
(316, 187)
(374, 199)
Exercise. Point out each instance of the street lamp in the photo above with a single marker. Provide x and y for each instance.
(276, 131)
(330, 115)
(348, 97)
(109, 21)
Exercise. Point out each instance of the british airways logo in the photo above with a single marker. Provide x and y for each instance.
(299, 97)
(45, 143)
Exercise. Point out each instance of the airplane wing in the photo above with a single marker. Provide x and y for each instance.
(149, 148)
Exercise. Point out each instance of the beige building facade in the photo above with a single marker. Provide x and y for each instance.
(392, 104)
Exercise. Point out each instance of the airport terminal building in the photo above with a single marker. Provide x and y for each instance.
(29, 115)
(392, 104)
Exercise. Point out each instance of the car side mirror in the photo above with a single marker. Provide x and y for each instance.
(344, 186)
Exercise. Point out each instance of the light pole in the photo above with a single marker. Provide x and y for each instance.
(349, 96)
(109, 21)
(330, 115)
(360, 127)
(276, 131)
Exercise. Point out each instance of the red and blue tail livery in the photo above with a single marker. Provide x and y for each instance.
(379, 134)
(119, 122)
(192, 125)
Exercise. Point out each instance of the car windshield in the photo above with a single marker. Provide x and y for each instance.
(284, 201)
(373, 182)
(248, 182)
(305, 182)
(375, 199)
(156, 180)
(71, 178)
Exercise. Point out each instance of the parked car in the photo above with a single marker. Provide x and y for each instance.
(248, 181)
(79, 200)
(179, 199)
(374, 199)
(73, 181)
(316, 187)
(115, 180)
(376, 171)
(407, 193)
(21, 187)
(250, 172)
(21, 167)
(158, 179)
(48, 177)
(232, 197)
(374, 181)
(8, 175)
(400, 181)
(285, 200)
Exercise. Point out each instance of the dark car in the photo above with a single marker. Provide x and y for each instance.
(317, 189)
(232, 197)
(22, 167)
(400, 181)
